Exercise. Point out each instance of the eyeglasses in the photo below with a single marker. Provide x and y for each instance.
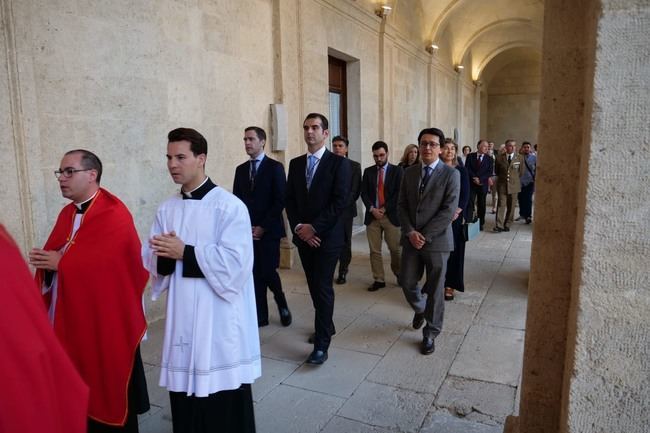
(68, 172)
(430, 144)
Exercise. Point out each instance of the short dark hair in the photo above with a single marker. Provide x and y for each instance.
(198, 144)
(525, 143)
(380, 145)
(481, 141)
(261, 134)
(433, 131)
(509, 141)
(89, 161)
(323, 120)
(341, 138)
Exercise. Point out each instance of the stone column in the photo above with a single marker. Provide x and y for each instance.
(586, 360)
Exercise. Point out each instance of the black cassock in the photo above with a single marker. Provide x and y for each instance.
(228, 411)
(138, 402)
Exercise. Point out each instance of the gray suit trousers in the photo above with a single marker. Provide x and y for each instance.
(429, 300)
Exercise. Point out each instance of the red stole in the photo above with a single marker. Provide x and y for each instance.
(42, 392)
(99, 318)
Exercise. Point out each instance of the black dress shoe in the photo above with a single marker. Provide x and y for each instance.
(506, 229)
(317, 357)
(261, 323)
(529, 220)
(428, 346)
(341, 279)
(418, 320)
(285, 316)
(497, 229)
(376, 286)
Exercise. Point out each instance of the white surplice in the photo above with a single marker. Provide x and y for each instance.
(211, 338)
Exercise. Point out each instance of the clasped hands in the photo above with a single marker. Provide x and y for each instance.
(46, 260)
(416, 239)
(378, 213)
(307, 234)
(167, 245)
(258, 232)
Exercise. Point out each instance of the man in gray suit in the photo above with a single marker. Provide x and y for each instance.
(427, 201)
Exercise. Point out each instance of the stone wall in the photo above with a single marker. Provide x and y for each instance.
(115, 77)
(607, 383)
(586, 357)
(513, 103)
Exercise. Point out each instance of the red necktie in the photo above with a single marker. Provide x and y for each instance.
(380, 188)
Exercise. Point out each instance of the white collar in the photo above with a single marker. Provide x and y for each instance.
(189, 193)
(318, 154)
(79, 205)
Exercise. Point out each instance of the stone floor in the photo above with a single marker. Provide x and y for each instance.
(375, 379)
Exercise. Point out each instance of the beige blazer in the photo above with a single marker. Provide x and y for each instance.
(508, 174)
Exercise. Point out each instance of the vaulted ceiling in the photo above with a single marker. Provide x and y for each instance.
(474, 32)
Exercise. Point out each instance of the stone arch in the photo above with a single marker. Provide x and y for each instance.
(476, 71)
(460, 54)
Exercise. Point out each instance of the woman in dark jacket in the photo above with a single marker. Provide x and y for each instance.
(456, 263)
(411, 156)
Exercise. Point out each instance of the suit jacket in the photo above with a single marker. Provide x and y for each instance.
(265, 201)
(508, 174)
(355, 189)
(392, 181)
(432, 212)
(323, 204)
(483, 171)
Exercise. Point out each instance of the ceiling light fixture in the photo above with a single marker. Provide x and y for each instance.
(459, 68)
(432, 48)
(383, 11)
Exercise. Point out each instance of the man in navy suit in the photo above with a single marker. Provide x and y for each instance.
(379, 192)
(318, 189)
(480, 169)
(261, 185)
(340, 147)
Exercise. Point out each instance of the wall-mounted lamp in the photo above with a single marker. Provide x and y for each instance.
(478, 83)
(432, 48)
(383, 11)
(459, 68)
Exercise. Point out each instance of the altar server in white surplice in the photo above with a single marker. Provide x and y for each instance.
(201, 252)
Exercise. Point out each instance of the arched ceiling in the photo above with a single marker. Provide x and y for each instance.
(473, 32)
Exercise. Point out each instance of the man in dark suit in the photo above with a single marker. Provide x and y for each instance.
(261, 185)
(318, 188)
(427, 202)
(340, 147)
(379, 192)
(480, 168)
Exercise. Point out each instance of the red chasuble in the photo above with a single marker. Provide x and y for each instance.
(98, 316)
(42, 392)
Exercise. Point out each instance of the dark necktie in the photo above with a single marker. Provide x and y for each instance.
(425, 179)
(509, 158)
(253, 172)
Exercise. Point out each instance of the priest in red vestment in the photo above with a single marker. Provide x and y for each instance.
(42, 391)
(92, 276)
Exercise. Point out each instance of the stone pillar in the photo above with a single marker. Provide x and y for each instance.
(586, 364)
